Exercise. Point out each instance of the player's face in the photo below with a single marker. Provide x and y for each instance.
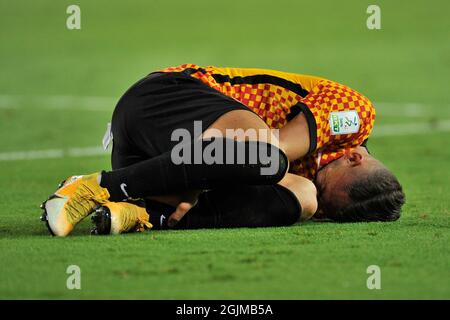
(334, 180)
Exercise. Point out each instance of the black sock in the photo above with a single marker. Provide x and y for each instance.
(242, 206)
(262, 164)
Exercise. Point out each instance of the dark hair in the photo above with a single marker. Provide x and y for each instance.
(375, 197)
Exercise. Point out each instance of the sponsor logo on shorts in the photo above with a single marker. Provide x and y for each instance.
(122, 187)
(161, 220)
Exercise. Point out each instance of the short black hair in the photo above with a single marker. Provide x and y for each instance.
(377, 196)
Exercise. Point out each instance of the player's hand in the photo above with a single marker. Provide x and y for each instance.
(189, 200)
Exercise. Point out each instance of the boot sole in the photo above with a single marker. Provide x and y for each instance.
(101, 218)
(44, 216)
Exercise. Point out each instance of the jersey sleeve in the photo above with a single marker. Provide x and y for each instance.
(339, 118)
(344, 118)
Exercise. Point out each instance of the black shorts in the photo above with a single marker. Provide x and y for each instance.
(148, 113)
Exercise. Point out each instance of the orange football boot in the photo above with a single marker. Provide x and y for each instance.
(76, 198)
(120, 217)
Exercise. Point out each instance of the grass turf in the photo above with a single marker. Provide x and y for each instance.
(406, 61)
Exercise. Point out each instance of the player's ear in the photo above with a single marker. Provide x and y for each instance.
(354, 158)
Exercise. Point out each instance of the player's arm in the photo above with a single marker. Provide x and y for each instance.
(294, 138)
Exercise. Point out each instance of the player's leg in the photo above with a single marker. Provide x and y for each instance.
(161, 175)
(124, 216)
(292, 199)
(238, 120)
(241, 206)
(239, 125)
(78, 196)
(155, 109)
(167, 173)
(244, 206)
(305, 191)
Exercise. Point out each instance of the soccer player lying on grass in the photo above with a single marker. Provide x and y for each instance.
(323, 127)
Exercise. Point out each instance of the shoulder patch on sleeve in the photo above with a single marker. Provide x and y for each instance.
(344, 122)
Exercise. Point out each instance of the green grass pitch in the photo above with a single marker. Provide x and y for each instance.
(57, 92)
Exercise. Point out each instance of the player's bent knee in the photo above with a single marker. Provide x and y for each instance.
(261, 162)
(289, 208)
(309, 208)
(276, 164)
(305, 191)
(241, 206)
(309, 201)
(283, 165)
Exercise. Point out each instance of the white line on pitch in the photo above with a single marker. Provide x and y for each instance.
(107, 104)
(411, 128)
(52, 153)
(411, 109)
(61, 102)
(379, 131)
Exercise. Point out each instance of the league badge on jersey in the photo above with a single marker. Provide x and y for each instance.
(344, 122)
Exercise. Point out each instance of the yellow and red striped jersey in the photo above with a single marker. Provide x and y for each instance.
(339, 118)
